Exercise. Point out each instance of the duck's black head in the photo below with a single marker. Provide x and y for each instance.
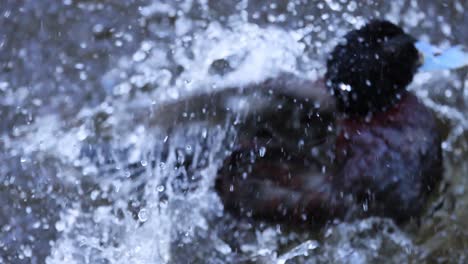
(371, 68)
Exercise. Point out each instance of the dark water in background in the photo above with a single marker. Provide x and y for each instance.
(81, 83)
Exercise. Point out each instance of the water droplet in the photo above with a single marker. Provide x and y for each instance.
(27, 252)
(143, 215)
(82, 133)
(222, 247)
(36, 225)
(160, 188)
(446, 29)
(271, 18)
(98, 29)
(352, 6)
(139, 56)
(301, 143)
(346, 135)
(188, 148)
(60, 226)
(244, 175)
(94, 195)
(83, 76)
(448, 93)
(445, 146)
(4, 86)
(335, 6)
(262, 151)
(345, 87)
(79, 66)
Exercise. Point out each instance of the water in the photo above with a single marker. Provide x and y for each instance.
(105, 161)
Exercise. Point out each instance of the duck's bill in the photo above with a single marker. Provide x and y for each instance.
(435, 59)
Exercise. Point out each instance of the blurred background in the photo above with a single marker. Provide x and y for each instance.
(91, 160)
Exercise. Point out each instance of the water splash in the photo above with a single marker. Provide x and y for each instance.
(112, 164)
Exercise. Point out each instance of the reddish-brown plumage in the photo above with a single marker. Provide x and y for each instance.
(391, 161)
(382, 160)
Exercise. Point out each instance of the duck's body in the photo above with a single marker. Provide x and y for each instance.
(391, 161)
(384, 157)
(385, 165)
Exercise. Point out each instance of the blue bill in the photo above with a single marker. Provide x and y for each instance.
(437, 59)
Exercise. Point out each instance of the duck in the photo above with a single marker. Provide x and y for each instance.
(377, 154)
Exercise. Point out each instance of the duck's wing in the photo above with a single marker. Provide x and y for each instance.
(215, 105)
(277, 185)
(313, 91)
